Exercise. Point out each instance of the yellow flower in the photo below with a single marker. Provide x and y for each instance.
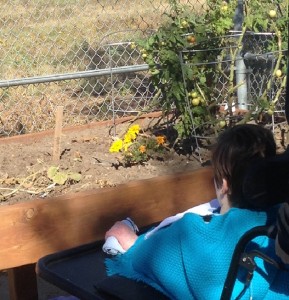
(126, 146)
(134, 129)
(128, 138)
(116, 146)
(132, 132)
(160, 140)
(142, 149)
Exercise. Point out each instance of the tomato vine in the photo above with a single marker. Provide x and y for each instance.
(194, 52)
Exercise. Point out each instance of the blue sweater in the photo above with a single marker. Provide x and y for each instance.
(190, 258)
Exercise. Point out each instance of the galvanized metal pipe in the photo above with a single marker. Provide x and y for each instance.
(241, 71)
(71, 76)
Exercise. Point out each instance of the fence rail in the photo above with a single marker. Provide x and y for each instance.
(75, 75)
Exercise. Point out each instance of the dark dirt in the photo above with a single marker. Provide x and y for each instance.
(25, 160)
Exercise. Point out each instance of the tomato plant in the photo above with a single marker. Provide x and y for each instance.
(194, 52)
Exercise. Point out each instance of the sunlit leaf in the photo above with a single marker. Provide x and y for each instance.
(51, 172)
(60, 178)
(75, 176)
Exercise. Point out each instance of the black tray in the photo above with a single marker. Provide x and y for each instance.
(81, 272)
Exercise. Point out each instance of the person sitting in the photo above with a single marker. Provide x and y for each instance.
(190, 258)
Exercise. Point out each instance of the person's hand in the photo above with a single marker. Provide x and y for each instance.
(123, 233)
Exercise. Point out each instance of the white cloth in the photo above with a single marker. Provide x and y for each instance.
(202, 210)
(112, 246)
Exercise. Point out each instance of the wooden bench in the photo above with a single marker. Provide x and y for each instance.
(33, 229)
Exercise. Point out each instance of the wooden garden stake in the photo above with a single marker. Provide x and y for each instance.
(57, 134)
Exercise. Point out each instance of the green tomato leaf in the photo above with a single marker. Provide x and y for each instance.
(51, 172)
(60, 178)
(203, 79)
(75, 176)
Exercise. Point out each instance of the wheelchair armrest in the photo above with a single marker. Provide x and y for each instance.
(269, 231)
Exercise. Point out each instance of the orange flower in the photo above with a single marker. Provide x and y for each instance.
(142, 149)
(160, 140)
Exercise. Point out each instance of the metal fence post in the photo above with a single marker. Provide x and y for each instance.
(241, 72)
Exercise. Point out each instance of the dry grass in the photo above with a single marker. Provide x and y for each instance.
(40, 37)
(44, 37)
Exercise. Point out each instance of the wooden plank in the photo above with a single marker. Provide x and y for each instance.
(36, 136)
(57, 135)
(32, 229)
(23, 283)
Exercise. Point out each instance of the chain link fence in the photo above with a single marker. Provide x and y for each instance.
(253, 69)
(77, 54)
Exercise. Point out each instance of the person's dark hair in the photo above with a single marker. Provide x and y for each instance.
(235, 150)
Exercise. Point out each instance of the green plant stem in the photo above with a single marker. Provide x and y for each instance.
(283, 84)
(146, 109)
(209, 115)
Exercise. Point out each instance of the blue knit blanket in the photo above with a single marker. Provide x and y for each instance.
(190, 258)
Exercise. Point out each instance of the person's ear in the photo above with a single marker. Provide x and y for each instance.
(224, 188)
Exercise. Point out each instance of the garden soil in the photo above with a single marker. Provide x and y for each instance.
(84, 150)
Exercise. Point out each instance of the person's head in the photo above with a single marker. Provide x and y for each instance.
(235, 150)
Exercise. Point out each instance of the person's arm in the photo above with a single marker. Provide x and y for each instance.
(282, 239)
(126, 236)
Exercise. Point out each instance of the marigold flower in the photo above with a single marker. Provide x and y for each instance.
(126, 146)
(134, 129)
(127, 138)
(142, 149)
(132, 133)
(116, 146)
(160, 140)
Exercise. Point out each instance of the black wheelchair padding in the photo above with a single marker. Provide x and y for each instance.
(81, 272)
(122, 288)
(267, 181)
(75, 270)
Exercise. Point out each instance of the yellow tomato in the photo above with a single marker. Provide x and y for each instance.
(191, 39)
(222, 124)
(194, 94)
(184, 24)
(224, 8)
(196, 101)
(272, 13)
(278, 73)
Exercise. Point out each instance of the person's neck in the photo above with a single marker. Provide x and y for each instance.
(225, 205)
